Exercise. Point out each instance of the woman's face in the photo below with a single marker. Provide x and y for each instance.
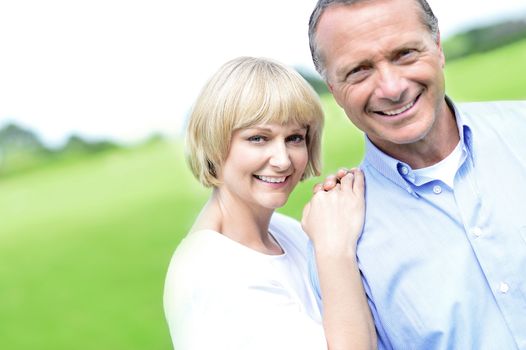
(264, 164)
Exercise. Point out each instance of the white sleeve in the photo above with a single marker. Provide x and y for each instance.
(246, 318)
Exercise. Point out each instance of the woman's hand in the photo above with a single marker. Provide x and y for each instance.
(334, 217)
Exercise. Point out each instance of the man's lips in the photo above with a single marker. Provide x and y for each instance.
(400, 110)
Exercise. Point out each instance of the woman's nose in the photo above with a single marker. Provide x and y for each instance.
(280, 157)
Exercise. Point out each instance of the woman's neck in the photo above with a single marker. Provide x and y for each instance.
(239, 221)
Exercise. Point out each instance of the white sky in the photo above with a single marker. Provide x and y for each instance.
(125, 68)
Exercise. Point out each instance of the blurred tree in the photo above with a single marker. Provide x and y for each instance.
(155, 138)
(486, 38)
(14, 138)
(314, 80)
(77, 145)
(20, 149)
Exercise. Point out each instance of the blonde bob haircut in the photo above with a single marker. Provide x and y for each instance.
(245, 92)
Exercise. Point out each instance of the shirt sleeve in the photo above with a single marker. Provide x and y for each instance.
(383, 340)
(313, 274)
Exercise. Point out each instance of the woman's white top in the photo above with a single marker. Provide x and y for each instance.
(220, 294)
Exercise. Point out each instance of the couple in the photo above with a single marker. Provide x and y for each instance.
(442, 244)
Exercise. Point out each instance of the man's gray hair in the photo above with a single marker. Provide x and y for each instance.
(428, 19)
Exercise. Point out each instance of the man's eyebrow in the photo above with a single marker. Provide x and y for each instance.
(346, 68)
(406, 45)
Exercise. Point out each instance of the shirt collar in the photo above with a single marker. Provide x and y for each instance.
(464, 128)
(401, 173)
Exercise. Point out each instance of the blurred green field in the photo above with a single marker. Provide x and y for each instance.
(84, 245)
(495, 75)
(83, 248)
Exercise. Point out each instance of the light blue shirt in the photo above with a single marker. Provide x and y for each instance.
(445, 268)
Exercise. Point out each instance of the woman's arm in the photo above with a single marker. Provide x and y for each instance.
(334, 220)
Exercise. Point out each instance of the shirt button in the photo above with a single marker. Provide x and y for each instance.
(404, 170)
(437, 189)
(504, 287)
(476, 231)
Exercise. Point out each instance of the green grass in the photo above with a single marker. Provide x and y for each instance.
(84, 246)
(84, 249)
(496, 75)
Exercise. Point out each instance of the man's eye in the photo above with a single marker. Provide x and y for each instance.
(358, 73)
(296, 138)
(406, 53)
(358, 69)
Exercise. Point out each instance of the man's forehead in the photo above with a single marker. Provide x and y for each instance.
(350, 22)
(368, 10)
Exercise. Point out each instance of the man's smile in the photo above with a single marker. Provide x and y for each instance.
(398, 111)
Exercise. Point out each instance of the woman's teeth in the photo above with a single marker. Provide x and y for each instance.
(272, 179)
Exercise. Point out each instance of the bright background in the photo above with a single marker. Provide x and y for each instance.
(125, 68)
(85, 240)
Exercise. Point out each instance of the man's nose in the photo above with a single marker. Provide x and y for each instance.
(390, 84)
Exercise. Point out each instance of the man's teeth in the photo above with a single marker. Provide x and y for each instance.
(400, 110)
(272, 179)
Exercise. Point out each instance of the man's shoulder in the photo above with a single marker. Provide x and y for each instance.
(497, 118)
(493, 108)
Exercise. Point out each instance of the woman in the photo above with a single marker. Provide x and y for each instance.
(239, 279)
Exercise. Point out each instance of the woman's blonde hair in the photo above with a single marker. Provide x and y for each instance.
(248, 91)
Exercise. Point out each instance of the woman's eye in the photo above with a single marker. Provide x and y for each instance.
(296, 138)
(256, 139)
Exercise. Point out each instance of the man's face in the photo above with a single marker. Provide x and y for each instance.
(384, 69)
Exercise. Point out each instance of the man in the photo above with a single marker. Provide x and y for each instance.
(443, 249)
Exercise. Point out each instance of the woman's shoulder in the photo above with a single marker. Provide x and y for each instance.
(198, 252)
(198, 267)
(207, 258)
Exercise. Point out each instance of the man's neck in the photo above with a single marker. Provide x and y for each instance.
(432, 148)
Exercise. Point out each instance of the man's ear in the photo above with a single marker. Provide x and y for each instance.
(329, 86)
(442, 56)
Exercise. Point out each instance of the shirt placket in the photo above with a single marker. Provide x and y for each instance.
(488, 241)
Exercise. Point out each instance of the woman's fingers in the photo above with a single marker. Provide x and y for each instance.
(330, 182)
(347, 181)
(354, 180)
(359, 182)
(318, 187)
(304, 216)
(342, 172)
